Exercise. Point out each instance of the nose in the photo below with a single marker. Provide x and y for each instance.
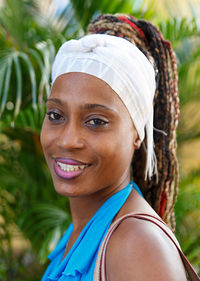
(70, 137)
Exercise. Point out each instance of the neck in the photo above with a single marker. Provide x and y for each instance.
(83, 208)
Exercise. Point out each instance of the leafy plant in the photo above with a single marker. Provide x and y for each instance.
(28, 202)
(187, 212)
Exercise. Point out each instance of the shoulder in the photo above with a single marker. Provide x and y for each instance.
(139, 250)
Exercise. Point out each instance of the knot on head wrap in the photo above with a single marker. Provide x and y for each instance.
(125, 69)
(83, 45)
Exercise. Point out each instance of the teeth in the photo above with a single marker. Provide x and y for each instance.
(70, 168)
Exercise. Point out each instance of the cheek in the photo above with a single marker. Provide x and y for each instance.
(125, 140)
(116, 153)
(123, 152)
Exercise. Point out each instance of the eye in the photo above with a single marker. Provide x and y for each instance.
(54, 116)
(96, 122)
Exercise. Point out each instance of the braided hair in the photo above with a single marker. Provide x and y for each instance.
(160, 191)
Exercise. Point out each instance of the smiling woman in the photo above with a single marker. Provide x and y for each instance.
(85, 124)
(104, 115)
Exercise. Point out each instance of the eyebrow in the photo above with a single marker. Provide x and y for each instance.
(85, 106)
(95, 105)
(55, 100)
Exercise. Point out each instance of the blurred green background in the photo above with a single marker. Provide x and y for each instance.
(32, 216)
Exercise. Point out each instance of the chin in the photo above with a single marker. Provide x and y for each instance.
(70, 190)
(66, 190)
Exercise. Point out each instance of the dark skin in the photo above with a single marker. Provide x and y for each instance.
(86, 121)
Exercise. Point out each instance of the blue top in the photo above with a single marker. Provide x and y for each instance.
(80, 261)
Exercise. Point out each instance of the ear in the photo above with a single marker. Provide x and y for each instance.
(137, 142)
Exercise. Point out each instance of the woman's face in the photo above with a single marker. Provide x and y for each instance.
(88, 137)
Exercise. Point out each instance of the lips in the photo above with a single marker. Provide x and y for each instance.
(69, 168)
(69, 161)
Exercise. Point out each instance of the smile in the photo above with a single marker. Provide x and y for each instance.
(70, 168)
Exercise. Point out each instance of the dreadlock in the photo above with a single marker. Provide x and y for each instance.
(161, 191)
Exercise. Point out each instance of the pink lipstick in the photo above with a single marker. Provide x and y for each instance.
(69, 168)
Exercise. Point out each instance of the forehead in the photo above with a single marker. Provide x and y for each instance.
(81, 87)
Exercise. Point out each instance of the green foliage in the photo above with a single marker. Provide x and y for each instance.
(53, 222)
(86, 10)
(185, 37)
(25, 189)
(28, 49)
(30, 35)
(187, 212)
(34, 65)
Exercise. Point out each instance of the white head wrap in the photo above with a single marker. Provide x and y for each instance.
(125, 69)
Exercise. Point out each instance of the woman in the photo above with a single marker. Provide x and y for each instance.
(112, 115)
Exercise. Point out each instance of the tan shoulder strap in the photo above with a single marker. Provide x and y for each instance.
(100, 268)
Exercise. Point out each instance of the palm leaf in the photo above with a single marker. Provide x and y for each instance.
(187, 217)
(44, 83)
(19, 85)
(32, 77)
(85, 10)
(52, 220)
(7, 82)
(177, 29)
(2, 74)
(47, 50)
(9, 59)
